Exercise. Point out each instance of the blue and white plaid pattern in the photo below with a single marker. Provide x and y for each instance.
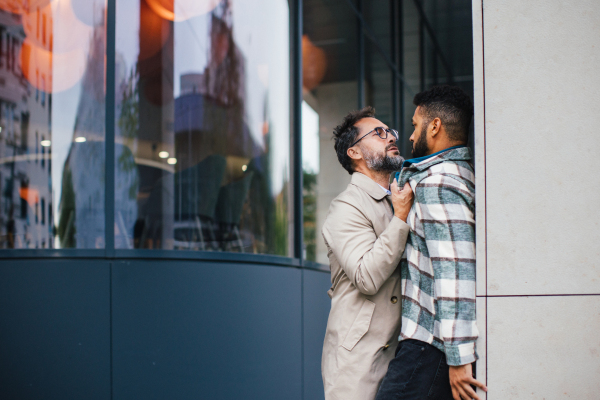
(438, 267)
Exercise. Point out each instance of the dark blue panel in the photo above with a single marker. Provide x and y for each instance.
(54, 329)
(316, 311)
(190, 330)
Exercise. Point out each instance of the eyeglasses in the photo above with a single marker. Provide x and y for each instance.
(381, 132)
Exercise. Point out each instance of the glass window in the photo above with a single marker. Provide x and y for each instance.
(378, 17)
(203, 126)
(378, 84)
(448, 47)
(52, 113)
(330, 70)
(437, 49)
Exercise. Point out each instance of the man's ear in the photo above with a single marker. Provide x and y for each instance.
(435, 127)
(354, 153)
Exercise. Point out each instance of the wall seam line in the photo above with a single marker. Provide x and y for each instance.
(540, 295)
(485, 193)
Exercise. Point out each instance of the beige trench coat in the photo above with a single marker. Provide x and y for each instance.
(365, 242)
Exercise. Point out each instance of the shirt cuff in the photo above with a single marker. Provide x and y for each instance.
(460, 354)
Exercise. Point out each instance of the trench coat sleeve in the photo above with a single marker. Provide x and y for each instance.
(367, 260)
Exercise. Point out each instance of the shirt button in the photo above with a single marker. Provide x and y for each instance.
(386, 346)
(394, 300)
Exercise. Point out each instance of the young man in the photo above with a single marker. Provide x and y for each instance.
(437, 340)
(365, 232)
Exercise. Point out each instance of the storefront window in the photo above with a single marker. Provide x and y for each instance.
(378, 84)
(330, 88)
(203, 126)
(52, 100)
(378, 53)
(202, 114)
(437, 49)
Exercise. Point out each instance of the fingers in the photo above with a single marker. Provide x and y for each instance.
(464, 391)
(455, 394)
(461, 394)
(470, 393)
(394, 187)
(480, 385)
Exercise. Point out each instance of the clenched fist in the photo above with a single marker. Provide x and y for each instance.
(402, 200)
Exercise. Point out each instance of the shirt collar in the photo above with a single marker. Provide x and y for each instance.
(388, 192)
(417, 160)
(410, 167)
(367, 184)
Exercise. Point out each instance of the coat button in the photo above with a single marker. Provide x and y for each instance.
(386, 346)
(394, 300)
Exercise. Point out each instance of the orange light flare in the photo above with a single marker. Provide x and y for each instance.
(50, 71)
(53, 54)
(21, 6)
(30, 195)
(181, 10)
(154, 32)
(314, 64)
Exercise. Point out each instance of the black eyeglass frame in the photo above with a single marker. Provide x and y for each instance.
(388, 130)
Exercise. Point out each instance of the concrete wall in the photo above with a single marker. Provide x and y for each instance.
(537, 102)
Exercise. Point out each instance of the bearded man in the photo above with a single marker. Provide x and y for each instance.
(365, 232)
(439, 332)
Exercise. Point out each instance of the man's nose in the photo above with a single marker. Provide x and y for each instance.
(391, 138)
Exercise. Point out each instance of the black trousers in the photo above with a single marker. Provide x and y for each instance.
(419, 371)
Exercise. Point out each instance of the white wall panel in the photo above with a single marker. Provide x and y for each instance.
(542, 103)
(544, 347)
(479, 126)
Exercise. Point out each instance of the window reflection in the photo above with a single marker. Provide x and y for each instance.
(203, 126)
(51, 91)
(330, 88)
(395, 39)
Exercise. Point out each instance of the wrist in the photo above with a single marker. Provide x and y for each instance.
(401, 216)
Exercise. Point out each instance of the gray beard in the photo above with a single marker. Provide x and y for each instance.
(382, 163)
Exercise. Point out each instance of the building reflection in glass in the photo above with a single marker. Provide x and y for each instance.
(203, 126)
(52, 123)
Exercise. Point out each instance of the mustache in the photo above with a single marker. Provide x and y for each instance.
(389, 146)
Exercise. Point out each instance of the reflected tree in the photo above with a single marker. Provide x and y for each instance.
(309, 185)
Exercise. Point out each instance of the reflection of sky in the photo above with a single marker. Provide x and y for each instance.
(191, 40)
(310, 139)
(64, 110)
(72, 29)
(261, 34)
(128, 30)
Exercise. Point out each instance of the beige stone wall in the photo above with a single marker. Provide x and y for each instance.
(537, 94)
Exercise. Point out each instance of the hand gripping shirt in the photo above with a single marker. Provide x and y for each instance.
(438, 266)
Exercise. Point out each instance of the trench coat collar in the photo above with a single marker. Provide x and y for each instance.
(368, 185)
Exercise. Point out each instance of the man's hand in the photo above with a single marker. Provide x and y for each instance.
(461, 379)
(402, 200)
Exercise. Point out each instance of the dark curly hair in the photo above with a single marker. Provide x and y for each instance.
(451, 105)
(345, 134)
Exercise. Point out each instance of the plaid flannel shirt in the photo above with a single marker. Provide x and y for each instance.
(438, 266)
